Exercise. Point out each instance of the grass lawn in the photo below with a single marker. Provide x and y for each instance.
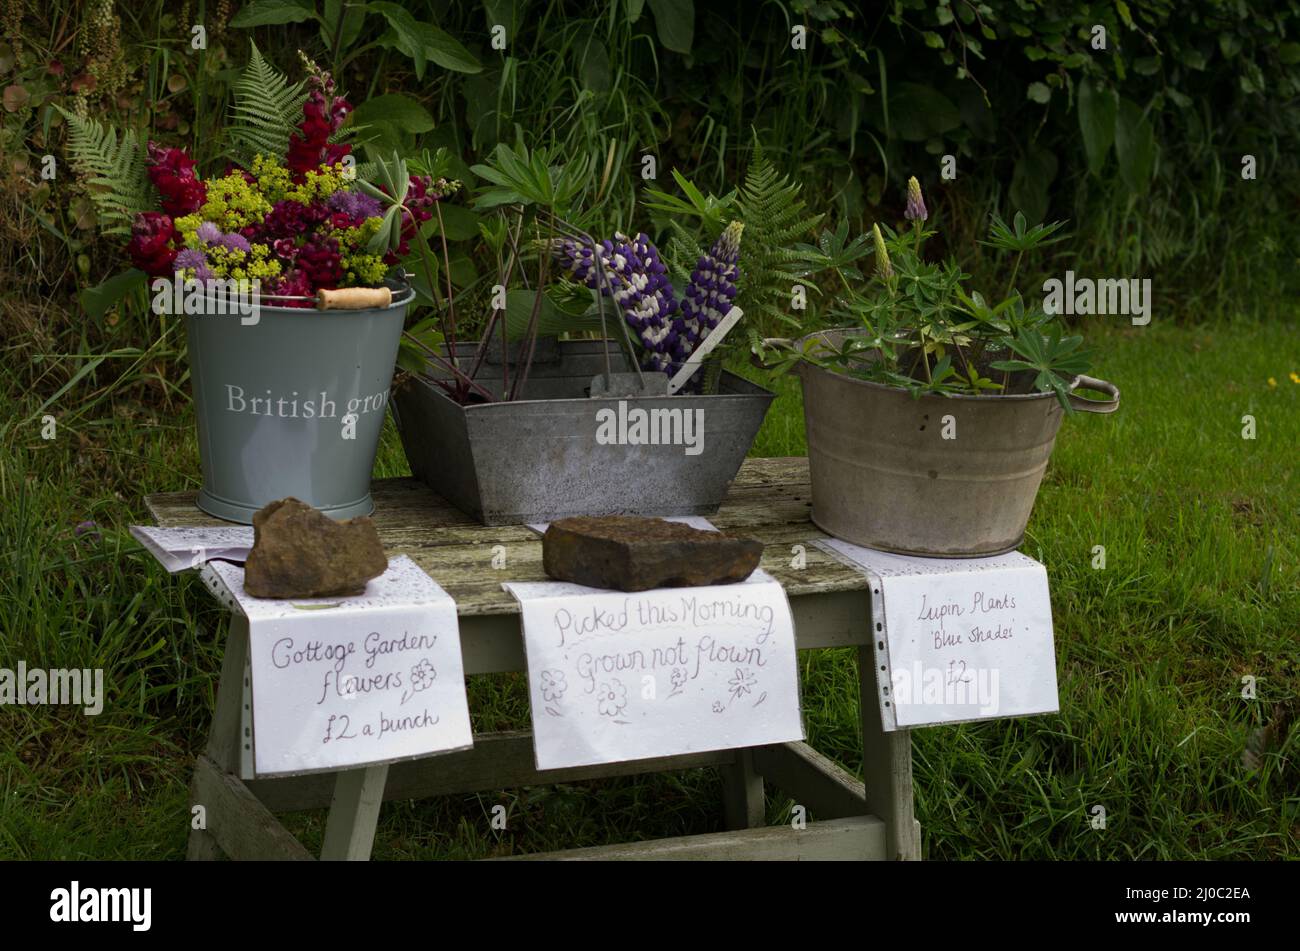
(1201, 531)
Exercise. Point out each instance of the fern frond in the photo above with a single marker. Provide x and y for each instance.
(114, 169)
(264, 111)
(775, 219)
(681, 254)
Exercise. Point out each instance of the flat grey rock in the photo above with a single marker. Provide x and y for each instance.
(627, 553)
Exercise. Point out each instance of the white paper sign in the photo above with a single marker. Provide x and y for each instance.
(345, 682)
(178, 549)
(617, 676)
(960, 638)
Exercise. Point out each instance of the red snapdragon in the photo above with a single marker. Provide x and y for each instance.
(323, 113)
(172, 172)
(151, 243)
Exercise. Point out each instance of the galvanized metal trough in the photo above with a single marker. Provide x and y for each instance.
(558, 452)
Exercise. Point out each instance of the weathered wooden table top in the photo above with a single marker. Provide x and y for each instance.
(769, 500)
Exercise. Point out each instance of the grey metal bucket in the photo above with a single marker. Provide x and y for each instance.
(292, 405)
(885, 476)
(546, 456)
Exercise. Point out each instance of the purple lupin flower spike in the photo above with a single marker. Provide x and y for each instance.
(657, 302)
(637, 281)
(713, 285)
(916, 210)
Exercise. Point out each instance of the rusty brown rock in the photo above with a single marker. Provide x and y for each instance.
(299, 552)
(627, 553)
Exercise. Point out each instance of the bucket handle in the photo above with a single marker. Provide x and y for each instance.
(1094, 406)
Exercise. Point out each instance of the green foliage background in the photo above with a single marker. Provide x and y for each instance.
(1140, 143)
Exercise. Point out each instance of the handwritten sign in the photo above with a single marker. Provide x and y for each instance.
(344, 682)
(959, 638)
(615, 676)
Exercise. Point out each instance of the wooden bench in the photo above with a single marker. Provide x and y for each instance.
(769, 500)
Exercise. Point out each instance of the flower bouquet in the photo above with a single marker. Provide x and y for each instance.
(290, 397)
(291, 226)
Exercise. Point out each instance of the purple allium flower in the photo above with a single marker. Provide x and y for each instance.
(191, 257)
(713, 285)
(208, 233)
(915, 203)
(196, 259)
(235, 242)
(356, 205)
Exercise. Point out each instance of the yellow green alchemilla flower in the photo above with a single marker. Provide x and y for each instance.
(363, 269)
(320, 184)
(273, 178)
(255, 264)
(233, 203)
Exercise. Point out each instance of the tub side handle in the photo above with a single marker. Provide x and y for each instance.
(1094, 406)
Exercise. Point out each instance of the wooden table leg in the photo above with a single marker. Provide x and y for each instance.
(350, 829)
(225, 739)
(742, 790)
(224, 736)
(202, 847)
(886, 767)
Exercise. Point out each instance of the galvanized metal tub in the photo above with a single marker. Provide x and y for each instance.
(539, 458)
(884, 475)
(321, 381)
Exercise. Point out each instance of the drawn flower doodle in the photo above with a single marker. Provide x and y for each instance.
(678, 680)
(553, 685)
(742, 683)
(423, 675)
(611, 698)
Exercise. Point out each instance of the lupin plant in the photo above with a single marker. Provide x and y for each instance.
(920, 329)
(712, 288)
(637, 280)
(543, 196)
